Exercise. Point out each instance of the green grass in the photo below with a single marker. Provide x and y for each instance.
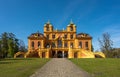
(20, 67)
(100, 67)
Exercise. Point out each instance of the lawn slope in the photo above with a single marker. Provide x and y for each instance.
(20, 67)
(99, 67)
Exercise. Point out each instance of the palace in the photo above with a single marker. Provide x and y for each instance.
(58, 42)
(55, 43)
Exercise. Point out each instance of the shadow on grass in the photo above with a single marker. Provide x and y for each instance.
(18, 59)
(6, 62)
(13, 60)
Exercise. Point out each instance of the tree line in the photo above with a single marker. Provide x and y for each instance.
(9, 45)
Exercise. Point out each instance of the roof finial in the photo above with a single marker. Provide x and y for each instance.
(48, 22)
(38, 31)
(71, 22)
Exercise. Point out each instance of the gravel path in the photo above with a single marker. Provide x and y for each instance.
(60, 67)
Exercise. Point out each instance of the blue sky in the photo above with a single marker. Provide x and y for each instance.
(23, 17)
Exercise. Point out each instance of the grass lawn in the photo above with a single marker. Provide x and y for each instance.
(20, 67)
(100, 67)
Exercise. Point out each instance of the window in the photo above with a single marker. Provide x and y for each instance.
(86, 45)
(48, 45)
(59, 43)
(53, 36)
(39, 44)
(71, 36)
(71, 28)
(53, 44)
(80, 44)
(47, 36)
(47, 28)
(65, 45)
(65, 36)
(32, 44)
(71, 45)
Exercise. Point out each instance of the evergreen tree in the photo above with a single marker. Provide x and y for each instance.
(16, 45)
(4, 43)
(9, 45)
(10, 48)
(13, 45)
(0, 49)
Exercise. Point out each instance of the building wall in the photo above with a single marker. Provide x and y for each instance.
(35, 44)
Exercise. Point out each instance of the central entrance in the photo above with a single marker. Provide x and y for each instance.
(60, 54)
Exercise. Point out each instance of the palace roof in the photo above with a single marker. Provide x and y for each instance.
(36, 35)
(83, 35)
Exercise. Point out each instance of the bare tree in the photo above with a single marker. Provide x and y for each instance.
(21, 45)
(106, 44)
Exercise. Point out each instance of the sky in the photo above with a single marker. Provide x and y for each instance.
(95, 17)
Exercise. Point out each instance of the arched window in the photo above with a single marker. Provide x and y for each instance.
(32, 44)
(71, 45)
(65, 45)
(65, 36)
(80, 44)
(71, 36)
(48, 45)
(53, 36)
(47, 28)
(59, 43)
(53, 45)
(86, 45)
(47, 36)
(71, 28)
(39, 44)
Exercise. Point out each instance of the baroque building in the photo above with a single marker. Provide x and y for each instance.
(55, 43)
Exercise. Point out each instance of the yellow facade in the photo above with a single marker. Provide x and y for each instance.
(59, 43)
(55, 43)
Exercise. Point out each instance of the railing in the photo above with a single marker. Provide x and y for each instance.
(59, 30)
